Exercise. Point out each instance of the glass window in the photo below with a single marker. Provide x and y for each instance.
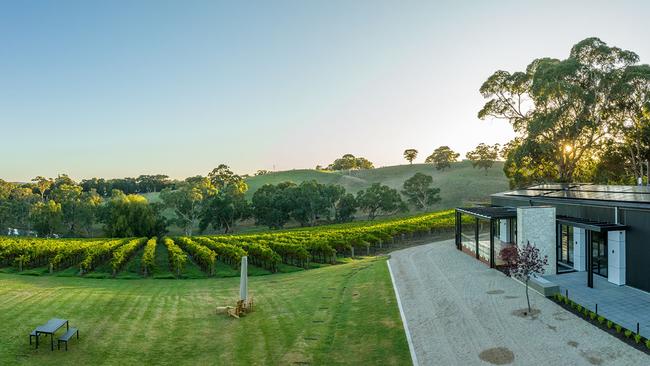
(468, 232)
(599, 253)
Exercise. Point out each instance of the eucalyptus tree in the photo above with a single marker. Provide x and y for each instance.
(410, 155)
(442, 157)
(350, 162)
(46, 217)
(42, 185)
(560, 110)
(78, 208)
(378, 199)
(188, 201)
(272, 204)
(223, 209)
(419, 191)
(631, 116)
(484, 156)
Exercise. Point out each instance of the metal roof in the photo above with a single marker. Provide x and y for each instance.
(590, 224)
(586, 192)
(489, 212)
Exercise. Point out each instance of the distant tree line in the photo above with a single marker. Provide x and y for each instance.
(63, 207)
(141, 184)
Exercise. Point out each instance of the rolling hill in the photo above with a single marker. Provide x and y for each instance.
(458, 185)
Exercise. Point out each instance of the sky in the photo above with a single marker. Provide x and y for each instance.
(122, 88)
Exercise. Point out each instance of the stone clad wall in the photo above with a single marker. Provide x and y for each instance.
(536, 224)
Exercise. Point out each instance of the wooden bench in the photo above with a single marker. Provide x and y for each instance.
(66, 337)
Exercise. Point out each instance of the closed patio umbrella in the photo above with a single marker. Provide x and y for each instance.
(243, 284)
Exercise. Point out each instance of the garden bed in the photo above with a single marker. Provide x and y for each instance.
(628, 336)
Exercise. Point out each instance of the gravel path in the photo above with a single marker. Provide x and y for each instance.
(460, 312)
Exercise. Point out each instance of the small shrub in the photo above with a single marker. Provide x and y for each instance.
(573, 305)
(559, 298)
(610, 324)
(647, 343)
(586, 312)
(628, 333)
(601, 320)
(618, 328)
(637, 338)
(592, 315)
(566, 301)
(580, 308)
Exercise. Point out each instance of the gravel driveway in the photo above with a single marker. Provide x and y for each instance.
(460, 312)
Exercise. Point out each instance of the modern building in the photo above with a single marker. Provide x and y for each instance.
(598, 229)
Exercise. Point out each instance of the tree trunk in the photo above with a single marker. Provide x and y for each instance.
(527, 297)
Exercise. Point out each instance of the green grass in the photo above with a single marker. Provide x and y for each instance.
(345, 314)
(459, 185)
(133, 268)
(161, 263)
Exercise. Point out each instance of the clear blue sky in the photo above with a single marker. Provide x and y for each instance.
(122, 88)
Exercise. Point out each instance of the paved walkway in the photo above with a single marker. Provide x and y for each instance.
(460, 312)
(621, 304)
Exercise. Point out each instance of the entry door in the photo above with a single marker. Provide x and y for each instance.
(565, 245)
(599, 253)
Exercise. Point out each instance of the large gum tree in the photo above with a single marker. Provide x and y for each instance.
(561, 110)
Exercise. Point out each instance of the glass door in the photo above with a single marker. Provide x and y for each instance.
(565, 246)
(599, 253)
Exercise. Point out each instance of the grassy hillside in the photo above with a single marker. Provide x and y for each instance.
(458, 185)
(345, 314)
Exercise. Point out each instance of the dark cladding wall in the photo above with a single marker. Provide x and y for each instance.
(637, 235)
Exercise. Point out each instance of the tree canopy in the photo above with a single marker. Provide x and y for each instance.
(567, 112)
(419, 192)
(410, 155)
(132, 216)
(350, 162)
(442, 157)
(483, 156)
(380, 199)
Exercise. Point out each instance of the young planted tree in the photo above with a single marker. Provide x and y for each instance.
(442, 157)
(419, 192)
(410, 155)
(527, 263)
(484, 156)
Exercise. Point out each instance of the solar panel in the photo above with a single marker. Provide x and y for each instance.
(620, 189)
(602, 196)
(528, 193)
(552, 187)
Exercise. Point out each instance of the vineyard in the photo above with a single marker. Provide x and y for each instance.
(207, 256)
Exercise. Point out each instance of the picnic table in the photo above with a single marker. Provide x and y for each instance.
(50, 328)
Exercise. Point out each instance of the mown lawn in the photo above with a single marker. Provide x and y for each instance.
(344, 314)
